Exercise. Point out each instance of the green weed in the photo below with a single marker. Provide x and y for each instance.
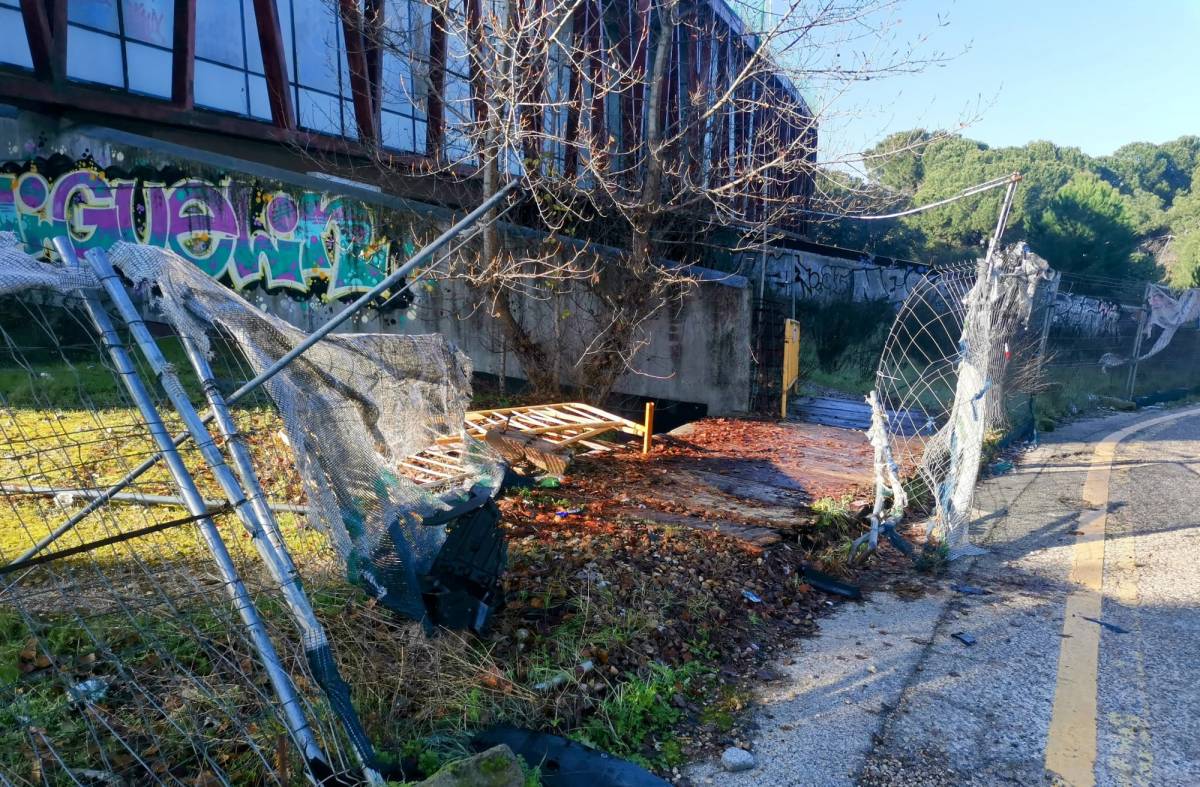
(933, 558)
(833, 514)
(640, 713)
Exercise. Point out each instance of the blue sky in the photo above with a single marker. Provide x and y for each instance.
(1094, 75)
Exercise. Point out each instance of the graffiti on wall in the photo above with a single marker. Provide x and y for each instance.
(302, 241)
(820, 278)
(1085, 315)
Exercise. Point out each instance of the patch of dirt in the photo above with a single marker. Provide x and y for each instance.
(688, 557)
(807, 459)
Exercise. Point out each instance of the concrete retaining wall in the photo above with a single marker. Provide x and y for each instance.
(811, 275)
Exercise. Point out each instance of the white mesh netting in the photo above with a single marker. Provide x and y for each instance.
(941, 385)
(1170, 313)
(354, 406)
(19, 271)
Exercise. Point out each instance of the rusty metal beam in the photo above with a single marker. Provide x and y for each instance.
(536, 83)
(183, 56)
(593, 40)
(58, 28)
(478, 75)
(633, 99)
(356, 61)
(373, 28)
(574, 92)
(41, 39)
(275, 67)
(435, 127)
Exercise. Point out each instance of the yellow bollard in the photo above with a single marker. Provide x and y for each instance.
(648, 427)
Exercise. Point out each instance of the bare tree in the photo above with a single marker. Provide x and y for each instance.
(647, 133)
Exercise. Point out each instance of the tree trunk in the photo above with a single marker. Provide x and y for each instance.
(640, 295)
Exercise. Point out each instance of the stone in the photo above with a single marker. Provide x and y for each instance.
(735, 759)
(496, 767)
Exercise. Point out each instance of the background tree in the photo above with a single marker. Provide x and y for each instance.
(1133, 214)
(1087, 229)
(1183, 248)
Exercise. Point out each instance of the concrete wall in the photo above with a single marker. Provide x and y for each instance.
(812, 275)
(698, 352)
(300, 246)
(1086, 315)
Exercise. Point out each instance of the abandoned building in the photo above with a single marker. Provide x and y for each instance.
(251, 123)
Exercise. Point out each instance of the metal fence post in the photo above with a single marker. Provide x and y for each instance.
(1137, 343)
(252, 510)
(291, 705)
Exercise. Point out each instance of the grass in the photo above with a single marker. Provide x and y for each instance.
(123, 656)
(644, 709)
(79, 449)
(149, 618)
(1070, 390)
(834, 514)
(933, 558)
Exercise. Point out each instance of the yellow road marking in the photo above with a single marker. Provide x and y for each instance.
(1071, 744)
(1131, 764)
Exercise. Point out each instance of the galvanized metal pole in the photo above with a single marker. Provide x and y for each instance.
(1002, 219)
(421, 256)
(242, 460)
(281, 682)
(1137, 343)
(1043, 341)
(266, 538)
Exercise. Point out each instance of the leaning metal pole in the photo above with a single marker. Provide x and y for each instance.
(1143, 318)
(334, 322)
(242, 461)
(975, 389)
(281, 682)
(265, 537)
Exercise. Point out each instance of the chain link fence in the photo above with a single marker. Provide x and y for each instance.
(1116, 344)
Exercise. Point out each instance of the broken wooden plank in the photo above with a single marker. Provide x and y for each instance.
(756, 536)
(750, 490)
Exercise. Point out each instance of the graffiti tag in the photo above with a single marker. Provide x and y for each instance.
(230, 230)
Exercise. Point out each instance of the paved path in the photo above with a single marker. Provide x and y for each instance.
(1086, 667)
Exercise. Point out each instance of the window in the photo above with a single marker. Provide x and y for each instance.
(456, 95)
(315, 48)
(229, 65)
(405, 45)
(15, 51)
(122, 43)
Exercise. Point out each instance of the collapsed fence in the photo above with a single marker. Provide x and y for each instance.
(960, 345)
(161, 615)
(982, 354)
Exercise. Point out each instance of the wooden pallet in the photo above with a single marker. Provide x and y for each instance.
(566, 425)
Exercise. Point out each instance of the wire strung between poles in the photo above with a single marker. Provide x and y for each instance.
(970, 191)
(88, 546)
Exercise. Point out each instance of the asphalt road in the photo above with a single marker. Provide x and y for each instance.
(1086, 663)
